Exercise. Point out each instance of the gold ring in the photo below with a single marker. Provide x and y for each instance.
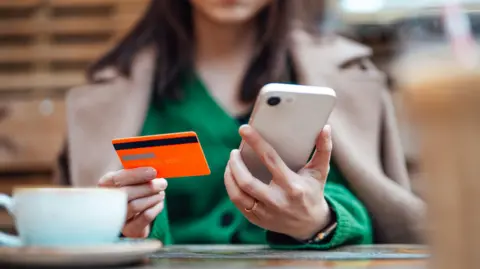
(255, 203)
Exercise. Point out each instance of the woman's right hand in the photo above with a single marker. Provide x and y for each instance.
(145, 197)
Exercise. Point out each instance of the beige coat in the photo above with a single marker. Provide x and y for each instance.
(365, 136)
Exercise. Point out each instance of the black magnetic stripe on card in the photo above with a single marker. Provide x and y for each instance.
(156, 143)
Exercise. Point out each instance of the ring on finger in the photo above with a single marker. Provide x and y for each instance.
(254, 206)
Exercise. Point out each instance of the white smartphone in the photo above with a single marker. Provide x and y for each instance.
(290, 118)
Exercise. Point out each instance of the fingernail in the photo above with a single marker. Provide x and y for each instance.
(150, 173)
(327, 129)
(245, 129)
(159, 184)
(164, 183)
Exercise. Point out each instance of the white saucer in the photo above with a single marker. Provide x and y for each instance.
(123, 252)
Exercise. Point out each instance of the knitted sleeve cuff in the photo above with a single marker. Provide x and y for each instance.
(340, 235)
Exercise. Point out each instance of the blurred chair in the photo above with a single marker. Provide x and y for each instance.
(45, 46)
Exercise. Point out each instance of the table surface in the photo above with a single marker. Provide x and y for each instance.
(257, 256)
(375, 256)
(283, 264)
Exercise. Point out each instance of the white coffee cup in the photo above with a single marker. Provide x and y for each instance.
(53, 217)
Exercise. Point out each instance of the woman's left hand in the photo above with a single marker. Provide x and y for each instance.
(293, 203)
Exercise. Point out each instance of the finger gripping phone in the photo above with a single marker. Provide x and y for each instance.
(290, 118)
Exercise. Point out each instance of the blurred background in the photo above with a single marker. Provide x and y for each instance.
(45, 46)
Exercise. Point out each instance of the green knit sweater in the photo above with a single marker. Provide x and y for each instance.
(198, 209)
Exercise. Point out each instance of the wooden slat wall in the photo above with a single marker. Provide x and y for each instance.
(39, 36)
(45, 46)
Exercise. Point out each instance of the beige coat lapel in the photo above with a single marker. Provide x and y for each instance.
(356, 119)
(366, 144)
(98, 113)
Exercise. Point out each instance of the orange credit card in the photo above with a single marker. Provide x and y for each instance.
(172, 155)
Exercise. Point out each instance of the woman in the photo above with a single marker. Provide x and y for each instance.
(198, 65)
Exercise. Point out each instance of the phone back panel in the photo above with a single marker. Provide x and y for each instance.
(291, 126)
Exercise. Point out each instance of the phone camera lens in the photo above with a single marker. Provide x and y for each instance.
(273, 101)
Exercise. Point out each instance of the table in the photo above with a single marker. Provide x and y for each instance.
(375, 256)
(251, 257)
(282, 264)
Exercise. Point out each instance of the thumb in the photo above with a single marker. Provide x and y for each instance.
(319, 165)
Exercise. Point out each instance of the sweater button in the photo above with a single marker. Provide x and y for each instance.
(227, 219)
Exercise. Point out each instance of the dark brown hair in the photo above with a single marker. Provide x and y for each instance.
(167, 25)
